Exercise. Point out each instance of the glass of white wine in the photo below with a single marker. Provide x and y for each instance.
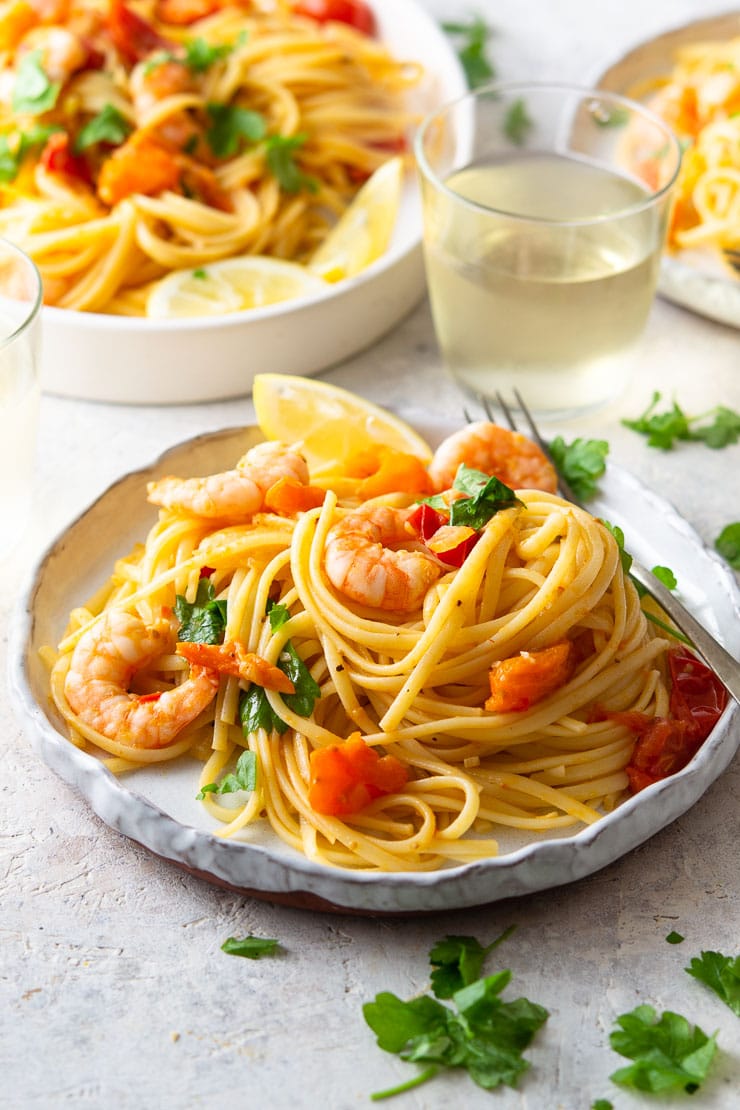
(20, 301)
(545, 213)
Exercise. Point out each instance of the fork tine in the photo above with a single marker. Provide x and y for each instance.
(544, 446)
(506, 411)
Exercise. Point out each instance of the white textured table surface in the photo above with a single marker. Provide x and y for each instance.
(113, 990)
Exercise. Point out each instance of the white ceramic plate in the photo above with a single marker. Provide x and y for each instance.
(698, 281)
(158, 808)
(139, 361)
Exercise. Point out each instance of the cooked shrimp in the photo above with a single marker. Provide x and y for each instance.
(361, 561)
(103, 663)
(233, 658)
(155, 79)
(62, 51)
(234, 494)
(512, 457)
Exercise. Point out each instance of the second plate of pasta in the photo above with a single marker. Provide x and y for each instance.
(164, 143)
(689, 76)
(156, 805)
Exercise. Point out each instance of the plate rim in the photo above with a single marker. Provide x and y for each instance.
(300, 881)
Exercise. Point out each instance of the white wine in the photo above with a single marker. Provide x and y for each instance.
(547, 292)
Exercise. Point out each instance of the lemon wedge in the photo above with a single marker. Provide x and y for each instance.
(329, 423)
(230, 285)
(364, 231)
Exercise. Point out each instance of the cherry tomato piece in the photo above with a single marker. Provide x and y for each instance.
(354, 12)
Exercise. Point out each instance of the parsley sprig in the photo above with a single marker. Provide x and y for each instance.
(34, 93)
(251, 947)
(667, 1053)
(281, 161)
(472, 38)
(255, 711)
(718, 427)
(482, 1034)
(13, 151)
(108, 126)
(484, 496)
(721, 974)
(243, 777)
(518, 122)
(202, 621)
(728, 544)
(581, 463)
(232, 128)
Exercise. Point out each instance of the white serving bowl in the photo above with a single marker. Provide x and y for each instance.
(140, 361)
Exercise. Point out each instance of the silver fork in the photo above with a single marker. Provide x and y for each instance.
(733, 257)
(714, 655)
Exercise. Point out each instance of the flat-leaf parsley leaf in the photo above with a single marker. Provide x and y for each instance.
(202, 621)
(668, 1054)
(244, 777)
(581, 463)
(664, 428)
(483, 1034)
(457, 962)
(251, 947)
(721, 974)
(728, 544)
(472, 49)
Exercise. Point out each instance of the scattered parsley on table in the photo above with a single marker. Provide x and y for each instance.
(718, 427)
(482, 1034)
(721, 974)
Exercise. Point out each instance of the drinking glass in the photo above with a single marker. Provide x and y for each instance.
(545, 212)
(20, 300)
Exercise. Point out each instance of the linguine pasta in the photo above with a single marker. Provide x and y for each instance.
(413, 684)
(701, 101)
(136, 140)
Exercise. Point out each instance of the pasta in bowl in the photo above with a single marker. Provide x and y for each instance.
(142, 140)
(384, 683)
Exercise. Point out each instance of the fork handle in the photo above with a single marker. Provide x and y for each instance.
(714, 655)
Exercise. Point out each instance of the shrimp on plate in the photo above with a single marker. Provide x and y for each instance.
(487, 447)
(365, 560)
(235, 494)
(232, 658)
(103, 664)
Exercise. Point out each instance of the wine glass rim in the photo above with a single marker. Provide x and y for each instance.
(509, 88)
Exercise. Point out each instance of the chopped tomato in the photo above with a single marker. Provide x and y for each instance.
(132, 36)
(184, 12)
(288, 497)
(425, 520)
(140, 165)
(354, 12)
(386, 470)
(665, 745)
(697, 696)
(56, 157)
(526, 678)
(347, 777)
(452, 543)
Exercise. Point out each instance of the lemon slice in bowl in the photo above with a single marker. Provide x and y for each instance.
(230, 285)
(328, 422)
(363, 233)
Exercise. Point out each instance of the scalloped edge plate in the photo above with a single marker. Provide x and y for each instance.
(158, 810)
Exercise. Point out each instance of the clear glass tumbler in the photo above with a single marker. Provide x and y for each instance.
(20, 301)
(545, 213)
